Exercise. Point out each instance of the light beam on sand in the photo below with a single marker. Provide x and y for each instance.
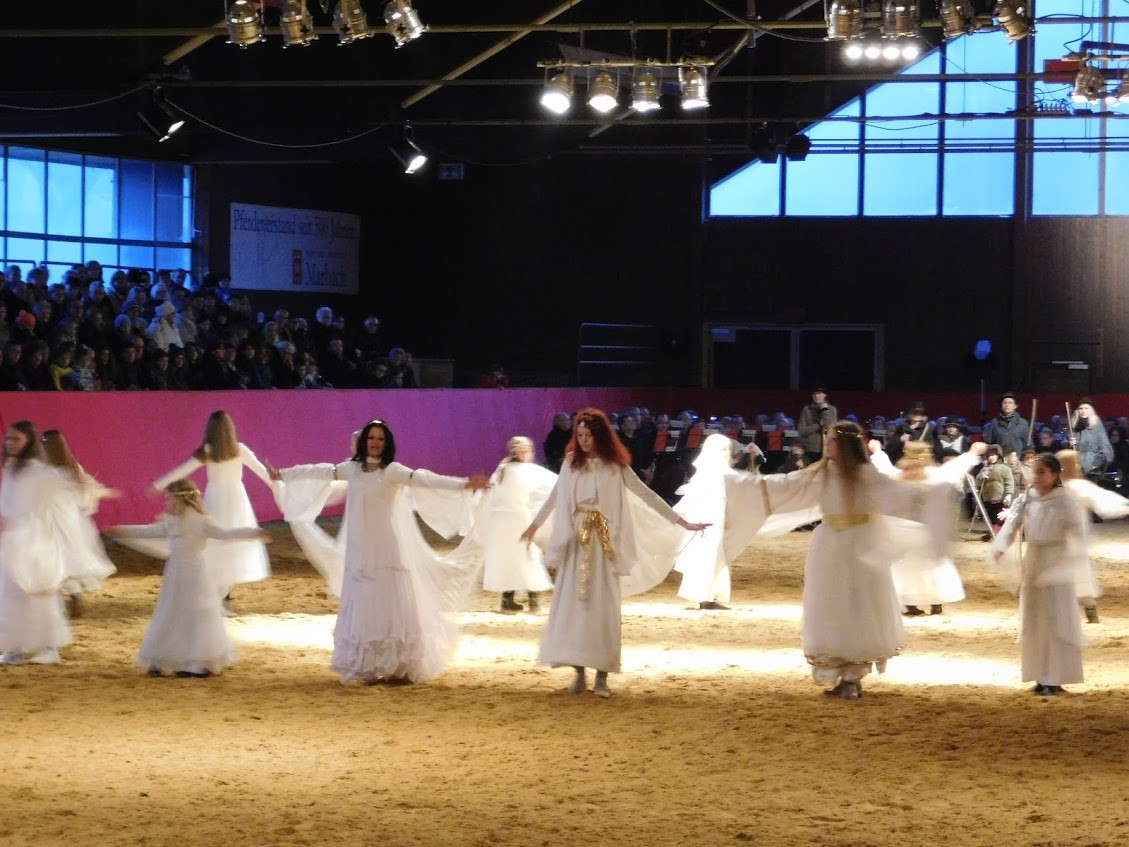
(286, 630)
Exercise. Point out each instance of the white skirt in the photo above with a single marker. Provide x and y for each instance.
(30, 622)
(927, 583)
(187, 631)
(509, 564)
(1050, 635)
(584, 633)
(234, 562)
(390, 626)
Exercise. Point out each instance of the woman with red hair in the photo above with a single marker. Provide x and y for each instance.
(596, 540)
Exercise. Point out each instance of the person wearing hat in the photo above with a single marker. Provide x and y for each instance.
(915, 426)
(1089, 437)
(1008, 429)
(997, 487)
(815, 419)
(951, 440)
(163, 329)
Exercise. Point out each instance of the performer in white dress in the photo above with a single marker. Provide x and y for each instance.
(395, 623)
(596, 541)
(87, 561)
(187, 635)
(1053, 523)
(226, 500)
(924, 573)
(32, 563)
(519, 488)
(1102, 502)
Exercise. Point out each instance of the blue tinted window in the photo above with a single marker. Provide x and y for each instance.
(172, 223)
(137, 257)
(104, 254)
(25, 252)
(101, 198)
(826, 183)
(752, 191)
(63, 253)
(171, 258)
(27, 210)
(64, 194)
(137, 200)
(1117, 167)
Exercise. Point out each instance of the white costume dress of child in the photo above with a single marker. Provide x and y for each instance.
(397, 596)
(227, 502)
(187, 631)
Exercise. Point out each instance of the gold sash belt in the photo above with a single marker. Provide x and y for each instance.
(841, 522)
(592, 523)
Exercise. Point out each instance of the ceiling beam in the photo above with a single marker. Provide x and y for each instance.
(192, 44)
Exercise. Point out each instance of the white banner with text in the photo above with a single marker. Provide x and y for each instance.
(279, 249)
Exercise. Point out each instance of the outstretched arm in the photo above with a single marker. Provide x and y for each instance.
(179, 472)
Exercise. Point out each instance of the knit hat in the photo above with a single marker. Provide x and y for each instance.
(166, 308)
(25, 319)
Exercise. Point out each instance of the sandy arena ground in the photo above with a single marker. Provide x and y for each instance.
(716, 734)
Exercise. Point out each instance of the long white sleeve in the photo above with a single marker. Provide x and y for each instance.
(251, 461)
(179, 472)
(657, 504)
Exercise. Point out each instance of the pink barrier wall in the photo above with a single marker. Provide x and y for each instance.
(128, 439)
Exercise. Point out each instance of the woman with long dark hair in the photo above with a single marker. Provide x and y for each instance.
(596, 541)
(394, 624)
(224, 457)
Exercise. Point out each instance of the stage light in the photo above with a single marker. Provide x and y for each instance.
(297, 24)
(603, 92)
(244, 23)
(645, 93)
(1089, 85)
(695, 88)
(557, 96)
(891, 52)
(957, 18)
(796, 148)
(872, 51)
(1014, 18)
(350, 21)
(853, 51)
(911, 50)
(160, 118)
(844, 20)
(900, 19)
(402, 22)
(1120, 94)
(410, 156)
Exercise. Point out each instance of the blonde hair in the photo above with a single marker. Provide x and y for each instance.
(917, 457)
(184, 494)
(58, 454)
(220, 441)
(1071, 464)
(518, 442)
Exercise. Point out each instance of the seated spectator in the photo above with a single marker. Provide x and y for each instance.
(24, 328)
(400, 372)
(367, 341)
(60, 368)
(284, 372)
(5, 330)
(261, 376)
(9, 378)
(556, 441)
(94, 330)
(373, 373)
(496, 377)
(157, 372)
(219, 374)
(311, 378)
(323, 331)
(131, 371)
(338, 371)
(37, 366)
(107, 375)
(794, 459)
(163, 329)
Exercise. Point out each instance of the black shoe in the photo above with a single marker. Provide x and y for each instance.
(228, 611)
(851, 691)
(193, 675)
(913, 612)
(936, 609)
(1048, 690)
(534, 603)
(155, 671)
(1039, 688)
(511, 606)
(1092, 614)
(74, 606)
(837, 691)
(713, 606)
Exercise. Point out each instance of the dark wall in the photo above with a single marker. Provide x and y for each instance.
(936, 285)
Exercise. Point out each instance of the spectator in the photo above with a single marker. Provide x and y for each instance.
(60, 367)
(157, 373)
(815, 419)
(367, 341)
(107, 374)
(914, 427)
(284, 373)
(37, 366)
(1089, 437)
(131, 374)
(322, 331)
(163, 329)
(556, 441)
(260, 376)
(997, 487)
(338, 371)
(496, 377)
(1008, 430)
(400, 372)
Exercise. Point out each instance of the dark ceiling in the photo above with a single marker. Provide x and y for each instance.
(266, 103)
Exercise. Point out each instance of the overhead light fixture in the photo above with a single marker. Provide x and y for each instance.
(603, 93)
(891, 52)
(911, 50)
(350, 21)
(853, 51)
(557, 96)
(645, 93)
(160, 118)
(410, 156)
(957, 18)
(1120, 94)
(796, 148)
(1089, 85)
(297, 24)
(695, 88)
(900, 19)
(1014, 19)
(844, 20)
(244, 23)
(402, 22)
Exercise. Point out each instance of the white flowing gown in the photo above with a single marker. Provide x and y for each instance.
(397, 596)
(229, 506)
(509, 564)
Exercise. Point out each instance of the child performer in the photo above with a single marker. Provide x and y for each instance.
(595, 542)
(187, 634)
(32, 565)
(87, 563)
(519, 488)
(226, 500)
(393, 626)
(1102, 502)
(1054, 525)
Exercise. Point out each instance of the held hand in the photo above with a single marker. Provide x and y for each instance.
(905, 438)
(112, 494)
(996, 556)
(874, 445)
(692, 527)
(752, 447)
(111, 530)
(1007, 500)
(273, 472)
(978, 448)
(152, 492)
(527, 536)
(477, 482)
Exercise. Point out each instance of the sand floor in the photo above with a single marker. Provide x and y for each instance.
(716, 733)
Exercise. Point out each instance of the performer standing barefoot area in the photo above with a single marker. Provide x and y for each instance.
(597, 539)
(393, 624)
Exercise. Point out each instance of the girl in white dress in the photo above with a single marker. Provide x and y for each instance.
(518, 490)
(227, 502)
(394, 623)
(87, 561)
(594, 543)
(32, 564)
(187, 635)
(1053, 523)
